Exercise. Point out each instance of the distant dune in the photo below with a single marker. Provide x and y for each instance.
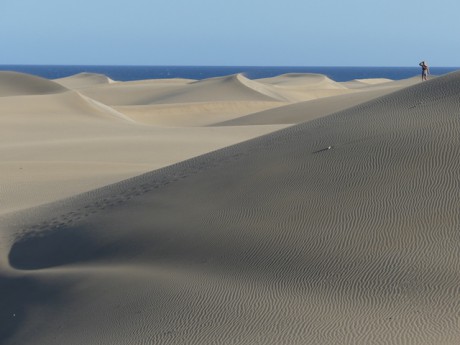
(335, 224)
(19, 84)
(303, 81)
(84, 80)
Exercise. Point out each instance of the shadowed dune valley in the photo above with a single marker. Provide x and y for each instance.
(285, 210)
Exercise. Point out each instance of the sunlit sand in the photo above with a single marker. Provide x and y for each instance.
(286, 210)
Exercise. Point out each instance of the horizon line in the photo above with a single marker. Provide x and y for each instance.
(285, 66)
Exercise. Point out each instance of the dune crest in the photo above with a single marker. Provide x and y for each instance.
(304, 80)
(56, 107)
(194, 113)
(84, 80)
(262, 88)
(227, 88)
(105, 109)
(20, 84)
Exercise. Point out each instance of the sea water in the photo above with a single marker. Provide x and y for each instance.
(127, 73)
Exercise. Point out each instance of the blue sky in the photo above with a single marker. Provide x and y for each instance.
(230, 32)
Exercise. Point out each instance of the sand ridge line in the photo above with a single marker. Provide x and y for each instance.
(193, 114)
(165, 177)
(13, 84)
(112, 201)
(206, 161)
(203, 162)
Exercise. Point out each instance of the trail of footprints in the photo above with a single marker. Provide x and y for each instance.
(191, 168)
(160, 178)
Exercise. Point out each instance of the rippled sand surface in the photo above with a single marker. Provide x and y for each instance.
(336, 221)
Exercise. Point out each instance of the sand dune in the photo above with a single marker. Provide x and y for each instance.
(211, 101)
(229, 88)
(309, 110)
(306, 111)
(194, 113)
(303, 86)
(75, 143)
(302, 80)
(373, 81)
(339, 230)
(379, 83)
(134, 93)
(84, 80)
(19, 84)
(61, 107)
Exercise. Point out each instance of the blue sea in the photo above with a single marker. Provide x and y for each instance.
(127, 73)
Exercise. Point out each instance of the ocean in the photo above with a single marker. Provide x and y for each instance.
(127, 73)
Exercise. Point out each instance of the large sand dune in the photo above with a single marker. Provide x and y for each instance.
(19, 84)
(337, 230)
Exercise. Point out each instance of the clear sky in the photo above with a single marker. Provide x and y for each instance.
(230, 32)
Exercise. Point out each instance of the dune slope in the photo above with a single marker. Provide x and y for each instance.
(341, 230)
(306, 111)
(84, 80)
(20, 84)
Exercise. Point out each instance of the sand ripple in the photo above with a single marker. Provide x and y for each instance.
(271, 241)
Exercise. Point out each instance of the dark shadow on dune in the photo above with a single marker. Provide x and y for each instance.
(18, 294)
(56, 248)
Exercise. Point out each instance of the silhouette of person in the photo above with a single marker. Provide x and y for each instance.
(425, 70)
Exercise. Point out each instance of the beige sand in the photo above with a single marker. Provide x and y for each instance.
(87, 131)
(338, 230)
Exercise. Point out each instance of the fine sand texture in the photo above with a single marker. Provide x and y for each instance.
(339, 229)
(71, 135)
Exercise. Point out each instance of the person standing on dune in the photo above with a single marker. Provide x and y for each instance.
(425, 70)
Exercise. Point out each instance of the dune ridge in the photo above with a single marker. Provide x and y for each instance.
(20, 84)
(227, 88)
(195, 113)
(343, 229)
(303, 80)
(298, 112)
(84, 80)
(113, 127)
